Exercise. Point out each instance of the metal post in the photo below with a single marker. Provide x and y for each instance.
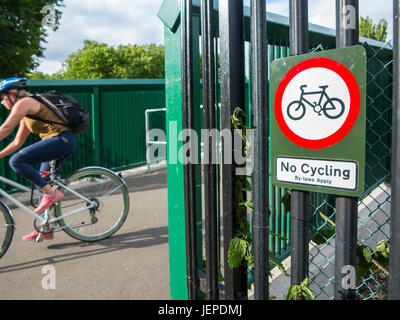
(346, 207)
(394, 264)
(259, 104)
(210, 173)
(300, 200)
(188, 123)
(232, 95)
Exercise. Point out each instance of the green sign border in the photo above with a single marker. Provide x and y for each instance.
(350, 148)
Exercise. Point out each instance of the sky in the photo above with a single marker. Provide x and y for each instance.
(135, 22)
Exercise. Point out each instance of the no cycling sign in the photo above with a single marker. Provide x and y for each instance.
(318, 121)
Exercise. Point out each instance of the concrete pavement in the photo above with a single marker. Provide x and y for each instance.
(132, 264)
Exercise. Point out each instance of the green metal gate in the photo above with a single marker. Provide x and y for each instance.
(373, 221)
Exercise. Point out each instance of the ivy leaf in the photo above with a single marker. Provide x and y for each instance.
(300, 292)
(277, 262)
(382, 247)
(322, 235)
(247, 186)
(361, 271)
(367, 253)
(237, 251)
(278, 236)
(247, 204)
(285, 200)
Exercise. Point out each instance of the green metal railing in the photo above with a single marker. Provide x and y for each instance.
(116, 135)
(373, 204)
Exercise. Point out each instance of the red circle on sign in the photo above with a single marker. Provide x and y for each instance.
(355, 99)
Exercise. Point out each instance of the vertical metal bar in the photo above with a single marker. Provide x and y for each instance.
(346, 207)
(394, 264)
(285, 225)
(188, 123)
(232, 95)
(280, 215)
(259, 111)
(210, 177)
(299, 213)
(96, 131)
(273, 219)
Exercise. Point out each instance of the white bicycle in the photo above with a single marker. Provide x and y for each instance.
(95, 206)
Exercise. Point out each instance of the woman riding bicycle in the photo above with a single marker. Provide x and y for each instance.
(57, 141)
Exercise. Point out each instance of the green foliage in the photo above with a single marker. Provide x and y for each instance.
(240, 246)
(300, 292)
(100, 61)
(368, 259)
(37, 75)
(322, 234)
(285, 200)
(373, 31)
(22, 34)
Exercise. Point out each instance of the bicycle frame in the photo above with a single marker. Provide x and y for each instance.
(322, 94)
(32, 213)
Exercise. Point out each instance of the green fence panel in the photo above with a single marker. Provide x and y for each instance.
(116, 135)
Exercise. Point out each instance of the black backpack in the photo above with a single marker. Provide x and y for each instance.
(70, 111)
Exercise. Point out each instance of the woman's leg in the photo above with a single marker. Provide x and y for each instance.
(42, 152)
(58, 147)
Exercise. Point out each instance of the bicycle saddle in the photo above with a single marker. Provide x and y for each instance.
(323, 87)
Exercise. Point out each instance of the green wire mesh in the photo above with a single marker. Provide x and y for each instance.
(373, 205)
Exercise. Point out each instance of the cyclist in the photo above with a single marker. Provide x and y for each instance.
(57, 141)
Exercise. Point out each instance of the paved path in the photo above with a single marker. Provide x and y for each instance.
(132, 264)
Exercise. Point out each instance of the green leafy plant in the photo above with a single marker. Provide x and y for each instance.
(300, 292)
(240, 246)
(376, 260)
(367, 259)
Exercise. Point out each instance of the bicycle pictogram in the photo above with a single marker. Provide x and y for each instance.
(333, 108)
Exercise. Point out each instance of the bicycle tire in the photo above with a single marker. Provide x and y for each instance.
(341, 103)
(289, 108)
(7, 227)
(102, 186)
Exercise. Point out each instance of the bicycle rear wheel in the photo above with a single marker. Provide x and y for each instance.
(6, 228)
(296, 110)
(102, 187)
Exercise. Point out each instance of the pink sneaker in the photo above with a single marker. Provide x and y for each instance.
(33, 235)
(48, 199)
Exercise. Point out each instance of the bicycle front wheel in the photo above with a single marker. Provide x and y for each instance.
(333, 108)
(6, 228)
(95, 204)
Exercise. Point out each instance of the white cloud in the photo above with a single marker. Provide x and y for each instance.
(323, 12)
(135, 21)
(110, 21)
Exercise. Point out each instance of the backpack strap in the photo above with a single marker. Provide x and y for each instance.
(46, 121)
(52, 107)
(49, 105)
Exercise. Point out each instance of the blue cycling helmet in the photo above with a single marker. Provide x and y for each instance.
(13, 83)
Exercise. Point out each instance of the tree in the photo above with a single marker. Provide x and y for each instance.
(373, 31)
(100, 61)
(23, 33)
(38, 75)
